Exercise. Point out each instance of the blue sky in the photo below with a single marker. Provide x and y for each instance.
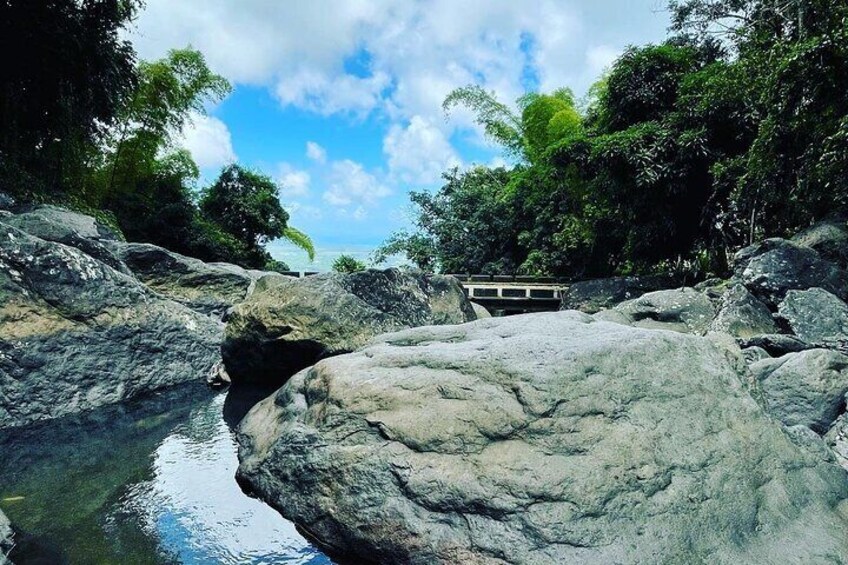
(340, 100)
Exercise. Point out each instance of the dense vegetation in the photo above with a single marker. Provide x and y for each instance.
(84, 124)
(734, 129)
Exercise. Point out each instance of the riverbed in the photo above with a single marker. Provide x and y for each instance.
(150, 482)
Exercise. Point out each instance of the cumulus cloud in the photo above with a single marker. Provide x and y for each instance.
(348, 183)
(600, 57)
(418, 152)
(293, 182)
(315, 152)
(209, 142)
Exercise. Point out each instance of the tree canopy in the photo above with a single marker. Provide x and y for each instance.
(732, 130)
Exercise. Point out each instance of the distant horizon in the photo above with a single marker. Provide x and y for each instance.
(325, 255)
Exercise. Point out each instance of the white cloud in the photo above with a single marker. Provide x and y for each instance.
(293, 182)
(418, 152)
(315, 152)
(600, 57)
(209, 142)
(349, 183)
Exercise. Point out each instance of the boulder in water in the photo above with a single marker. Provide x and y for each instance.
(289, 324)
(543, 438)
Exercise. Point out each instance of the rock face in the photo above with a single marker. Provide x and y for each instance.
(544, 438)
(742, 315)
(684, 310)
(76, 334)
(815, 315)
(210, 288)
(806, 388)
(52, 223)
(7, 539)
(775, 266)
(837, 439)
(286, 325)
(829, 238)
(595, 295)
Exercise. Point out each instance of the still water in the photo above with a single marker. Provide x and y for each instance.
(146, 483)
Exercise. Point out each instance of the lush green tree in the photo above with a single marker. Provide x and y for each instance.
(348, 264)
(245, 205)
(168, 92)
(66, 75)
(466, 226)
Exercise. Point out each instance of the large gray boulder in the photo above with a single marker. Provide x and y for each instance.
(86, 233)
(211, 288)
(289, 324)
(771, 268)
(682, 310)
(829, 238)
(543, 438)
(7, 539)
(806, 388)
(741, 315)
(76, 334)
(815, 315)
(595, 295)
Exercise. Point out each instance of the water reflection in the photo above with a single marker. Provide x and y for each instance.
(151, 483)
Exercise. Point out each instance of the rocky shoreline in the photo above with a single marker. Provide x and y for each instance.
(646, 422)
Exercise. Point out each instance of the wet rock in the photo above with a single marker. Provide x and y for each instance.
(806, 388)
(599, 294)
(740, 314)
(775, 266)
(684, 310)
(544, 438)
(211, 288)
(815, 315)
(76, 334)
(286, 325)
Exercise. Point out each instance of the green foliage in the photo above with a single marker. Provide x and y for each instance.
(348, 264)
(466, 226)
(301, 240)
(499, 122)
(66, 74)
(732, 130)
(246, 204)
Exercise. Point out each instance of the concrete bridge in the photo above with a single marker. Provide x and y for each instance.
(503, 295)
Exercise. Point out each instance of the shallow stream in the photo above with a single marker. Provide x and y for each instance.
(151, 482)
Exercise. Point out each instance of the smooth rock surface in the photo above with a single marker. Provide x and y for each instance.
(775, 266)
(289, 324)
(682, 310)
(480, 311)
(806, 388)
(210, 288)
(815, 315)
(76, 334)
(740, 314)
(598, 294)
(543, 438)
